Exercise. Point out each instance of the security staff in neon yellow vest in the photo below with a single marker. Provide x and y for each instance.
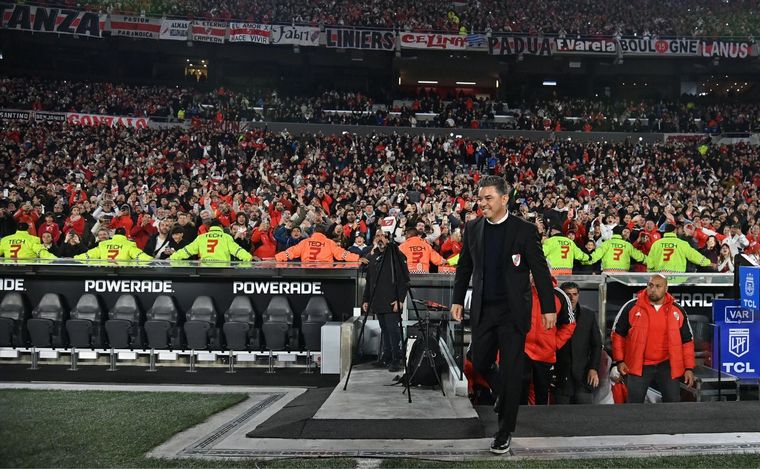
(213, 245)
(670, 253)
(118, 248)
(616, 253)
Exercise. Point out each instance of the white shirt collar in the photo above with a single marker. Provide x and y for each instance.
(503, 219)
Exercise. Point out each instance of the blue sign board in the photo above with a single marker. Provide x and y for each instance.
(738, 346)
(748, 286)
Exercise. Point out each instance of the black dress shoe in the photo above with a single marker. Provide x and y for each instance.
(501, 446)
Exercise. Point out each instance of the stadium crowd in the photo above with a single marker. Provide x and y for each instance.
(456, 111)
(74, 185)
(571, 17)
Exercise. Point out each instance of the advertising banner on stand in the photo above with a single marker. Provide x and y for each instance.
(209, 31)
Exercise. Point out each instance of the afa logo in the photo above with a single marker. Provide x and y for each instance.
(749, 284)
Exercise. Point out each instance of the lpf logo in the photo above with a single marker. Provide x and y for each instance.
(738, 342)
(749, 285)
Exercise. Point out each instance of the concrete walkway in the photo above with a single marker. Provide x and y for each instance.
(224, 434)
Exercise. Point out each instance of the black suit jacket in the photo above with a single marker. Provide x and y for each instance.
(584, 350)
(524, 256)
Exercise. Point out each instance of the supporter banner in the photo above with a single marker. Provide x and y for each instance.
(15, 114)
(727, 50)
(209, 31)
(174, 30)
(135, 26)
(339, 38)
(250, 32)
(516, 45)
(51, 20)
(585, 46)
(477, 42)
(432, 41)
(684, 138)
(295, 35)
(663, 47)
(93, 120)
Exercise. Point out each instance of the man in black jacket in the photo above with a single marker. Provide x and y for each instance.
(384, 294)
(499, 252)
(578, 360)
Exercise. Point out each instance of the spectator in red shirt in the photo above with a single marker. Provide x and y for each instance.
(50, 226)
(75, 222)
(27, 214)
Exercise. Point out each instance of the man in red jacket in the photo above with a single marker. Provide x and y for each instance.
(652, 342)
(541, 346)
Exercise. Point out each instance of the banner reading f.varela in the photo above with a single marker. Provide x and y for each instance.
(174, 30)
(51, 20)
(250, 32)
(209, 31)
(343, 38)
(135, 26)
(585, 46)
(295, 35)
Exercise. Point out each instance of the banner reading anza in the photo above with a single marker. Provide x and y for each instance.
(51, 20)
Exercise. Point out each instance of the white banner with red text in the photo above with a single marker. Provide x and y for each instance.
(209, 31)
(250, 32)
(135, 26)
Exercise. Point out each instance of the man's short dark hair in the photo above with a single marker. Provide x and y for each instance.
(214, 222)
(120, 231)
(495, 181)
(23, 226)
(412, 231)
(569, 286)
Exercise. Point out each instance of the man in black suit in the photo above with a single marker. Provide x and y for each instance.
(499, 252)
(578, 360)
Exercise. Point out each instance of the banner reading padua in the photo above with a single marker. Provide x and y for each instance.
(209, 31)
(432, 41)
(250, 32)
(94, 120)
(135, 26)
(516, 45)
(51, 20)
(340, 38)
(174, 30)
(295, 35)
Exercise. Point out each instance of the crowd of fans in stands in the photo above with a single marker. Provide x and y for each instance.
(74, 185)
(571, 17)
(687, 115)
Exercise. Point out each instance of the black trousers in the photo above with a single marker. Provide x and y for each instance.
(540, 374)
(391, 332)
(494, 334)
(659, 375)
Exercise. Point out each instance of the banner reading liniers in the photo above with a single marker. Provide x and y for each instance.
(516, 45)
(432, 41)
(209, 31)
(338, 38)
(250, 32)
(108, 121)
(51, 20)
(135, 26)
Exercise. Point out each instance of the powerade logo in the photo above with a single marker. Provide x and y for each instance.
(12, 284)
(128, 286)
(277, 288)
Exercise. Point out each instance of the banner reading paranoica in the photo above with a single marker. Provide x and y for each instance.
(209, 31)
(51, 20)
(295, 35)
(135, 26)
(516, 45)
(250, 32)
(340, 38)
(174, 30)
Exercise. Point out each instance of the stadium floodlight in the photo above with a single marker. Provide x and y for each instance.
(550, 83)
(427, 82)
(471, 83)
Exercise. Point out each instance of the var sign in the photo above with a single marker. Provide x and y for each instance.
(735, 343)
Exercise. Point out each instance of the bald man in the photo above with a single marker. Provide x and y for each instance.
(652, 342)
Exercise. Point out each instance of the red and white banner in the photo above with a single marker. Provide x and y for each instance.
(135, 26)
(585, 46)
(727, 50)
(209, 31)
(51, 20)
(432, 41)
(94, 120)
(250, 32)
(174, 30)
(295, 35)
